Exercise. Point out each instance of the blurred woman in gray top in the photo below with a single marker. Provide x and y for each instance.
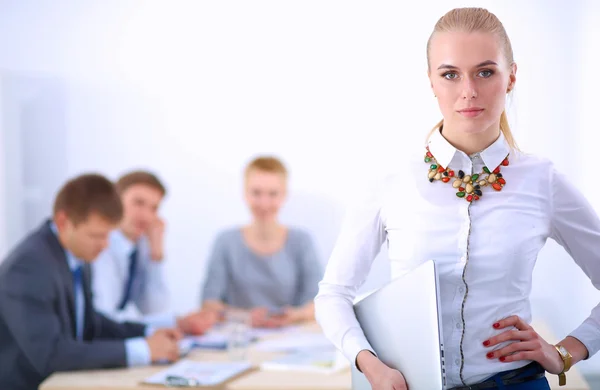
(267, 268)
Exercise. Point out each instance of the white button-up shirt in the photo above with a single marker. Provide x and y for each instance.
(149, 294)
(485, 251)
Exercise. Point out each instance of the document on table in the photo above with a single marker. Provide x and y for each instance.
(324, 360)
(217, 338)
(188, 373)
(211, 340)
(260, 333)
(294, 342)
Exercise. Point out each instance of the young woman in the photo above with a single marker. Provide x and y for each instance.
(482, 210)
(266, 268)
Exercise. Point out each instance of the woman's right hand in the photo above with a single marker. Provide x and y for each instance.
(259, 317)
(380, 376)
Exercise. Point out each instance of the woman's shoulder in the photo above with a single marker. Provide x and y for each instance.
(229, 235)
(298, 234)
(299, 238)
(531, 161)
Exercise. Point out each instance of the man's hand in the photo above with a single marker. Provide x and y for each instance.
(155, 238)
(163, 345)
(264, 318)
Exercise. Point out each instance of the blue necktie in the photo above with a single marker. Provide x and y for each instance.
(132, 268)
(79, 301)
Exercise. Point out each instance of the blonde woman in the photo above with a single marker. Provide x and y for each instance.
(482, 210)
(266, 268)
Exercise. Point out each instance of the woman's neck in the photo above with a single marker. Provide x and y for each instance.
(471, 143)
(265, 231)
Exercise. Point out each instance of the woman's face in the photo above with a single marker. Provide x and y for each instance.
(470, 76)
(265, 194)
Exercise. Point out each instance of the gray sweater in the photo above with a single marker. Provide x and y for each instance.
(241, 278)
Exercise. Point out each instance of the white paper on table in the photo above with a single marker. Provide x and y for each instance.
(259, 333)
(206, 373)
(294, 342)
(210, 340)
(217, 338)
(324, 361)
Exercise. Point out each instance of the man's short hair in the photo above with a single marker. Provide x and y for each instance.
(87, 194)
(140, 177)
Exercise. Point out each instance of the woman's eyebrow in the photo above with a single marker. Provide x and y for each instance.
(484, 63)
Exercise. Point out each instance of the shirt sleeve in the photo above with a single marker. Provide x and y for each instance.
(576, 227)
(358, 244)
(155, 297)
(105, 291)
(138, 352)
(215, 284)
(160, 320)
(311, 270)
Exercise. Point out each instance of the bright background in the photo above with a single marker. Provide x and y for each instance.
(338, 89)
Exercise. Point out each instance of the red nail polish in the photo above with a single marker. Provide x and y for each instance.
(497, 325)
(486, 343)
(502, 358)
(490, 355)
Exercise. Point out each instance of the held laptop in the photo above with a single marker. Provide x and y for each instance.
(401, 321)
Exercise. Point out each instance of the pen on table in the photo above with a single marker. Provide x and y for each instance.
(180, 381)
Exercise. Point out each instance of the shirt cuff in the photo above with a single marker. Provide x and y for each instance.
(160, 320)
(149, 331)
(589, 335)
(138, 352)
(353, 342)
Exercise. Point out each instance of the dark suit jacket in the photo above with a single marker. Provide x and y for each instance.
(37, 317)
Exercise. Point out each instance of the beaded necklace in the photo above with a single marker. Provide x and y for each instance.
(468, 187)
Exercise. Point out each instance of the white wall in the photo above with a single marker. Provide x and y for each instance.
(3, 181)
(192, 90)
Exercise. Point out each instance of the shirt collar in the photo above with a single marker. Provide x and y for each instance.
(444, 152)
(120, 244)
(72, 261)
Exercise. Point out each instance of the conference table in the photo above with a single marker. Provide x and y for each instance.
(254, 379)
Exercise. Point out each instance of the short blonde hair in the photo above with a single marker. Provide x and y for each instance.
(268, 164)
(476, 20)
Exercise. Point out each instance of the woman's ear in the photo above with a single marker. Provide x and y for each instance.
(512, 77)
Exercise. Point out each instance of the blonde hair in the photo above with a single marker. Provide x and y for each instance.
(266, 164)
(476, 20)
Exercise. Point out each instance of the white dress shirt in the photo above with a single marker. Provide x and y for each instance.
(149, 294)
(485, 251)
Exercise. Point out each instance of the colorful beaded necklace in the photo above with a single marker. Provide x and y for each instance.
(467, 186)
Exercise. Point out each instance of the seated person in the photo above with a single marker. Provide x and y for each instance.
(265, 267)
(128, 280)
(47, 317)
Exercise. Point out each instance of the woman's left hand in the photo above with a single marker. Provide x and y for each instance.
(527, 345)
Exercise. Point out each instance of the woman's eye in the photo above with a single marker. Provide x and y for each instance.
(486, 73)
(450, 76)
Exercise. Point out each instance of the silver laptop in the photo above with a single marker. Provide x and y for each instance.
(401, 321)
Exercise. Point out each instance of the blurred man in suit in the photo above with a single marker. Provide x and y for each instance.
(47, 318)
(128, 277)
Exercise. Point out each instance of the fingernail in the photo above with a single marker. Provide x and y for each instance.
(490, 355)
(497, 325)
(486, 343)
(502, 358)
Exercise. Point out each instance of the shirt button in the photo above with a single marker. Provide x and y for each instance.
(457, 362)
(461, 290)
(458, 325)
